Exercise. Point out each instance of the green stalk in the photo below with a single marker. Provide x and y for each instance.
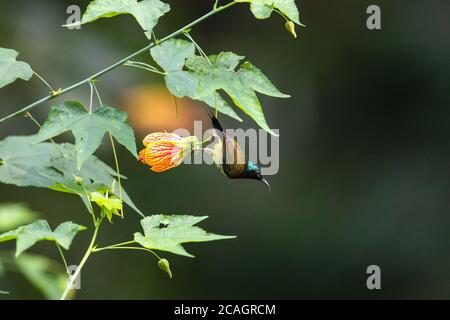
(119, 179)
(119, 63)
(83, 261)
(128, 248)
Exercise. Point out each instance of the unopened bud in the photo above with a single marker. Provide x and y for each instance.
(290, 26)
(165, 266)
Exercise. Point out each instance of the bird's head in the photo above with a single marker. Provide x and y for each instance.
(253, 171)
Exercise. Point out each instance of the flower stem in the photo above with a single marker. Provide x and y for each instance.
(119, 63)
(177, 112)
(83, 261)
(122, 244)
(119, 179)
(127, 248)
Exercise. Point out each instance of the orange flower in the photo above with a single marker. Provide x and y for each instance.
(164, 151)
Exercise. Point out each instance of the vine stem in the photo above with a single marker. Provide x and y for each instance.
(83, 261)
(116, 159)
(119, 63)
(128, 248)
(119, 179)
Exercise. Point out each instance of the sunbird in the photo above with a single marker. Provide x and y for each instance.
(165, 151)
(230, 159)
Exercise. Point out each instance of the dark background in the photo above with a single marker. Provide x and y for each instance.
(364, 173)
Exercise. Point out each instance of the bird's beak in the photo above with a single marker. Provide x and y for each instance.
(263, 180)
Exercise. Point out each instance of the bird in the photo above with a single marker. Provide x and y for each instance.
(237, 167)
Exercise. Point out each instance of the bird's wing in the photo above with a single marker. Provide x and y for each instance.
(227, 154)
(233, 157)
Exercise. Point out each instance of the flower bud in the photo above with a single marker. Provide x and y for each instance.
(290, 26)
(165, 266)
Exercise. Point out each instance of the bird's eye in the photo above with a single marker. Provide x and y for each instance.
(163, 225)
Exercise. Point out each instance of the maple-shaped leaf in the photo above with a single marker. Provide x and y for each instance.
(171, 55)
(218, 72)
(28, 235)
(88, 128)
(146, 12)
(11, 69)
(54, 166)
(205, 77)
(168, 232)
(26, 165)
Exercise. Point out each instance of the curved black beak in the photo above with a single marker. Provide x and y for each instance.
(263, 180)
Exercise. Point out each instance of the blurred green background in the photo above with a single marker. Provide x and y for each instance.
(364, 172)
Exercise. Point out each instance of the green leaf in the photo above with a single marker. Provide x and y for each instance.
(13, 215)
(167, 233)
(205, 77)
(110, 205)
(46, 275)
(94, 176)
(28, 235)
(26, 165)
(146, 12)
(46, 165)
(88, 128)
(262, 9)
(10, 69)
(259, 82)
(171, 56)
(240, 85)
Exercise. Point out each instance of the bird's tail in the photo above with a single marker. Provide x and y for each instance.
(215, 122)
